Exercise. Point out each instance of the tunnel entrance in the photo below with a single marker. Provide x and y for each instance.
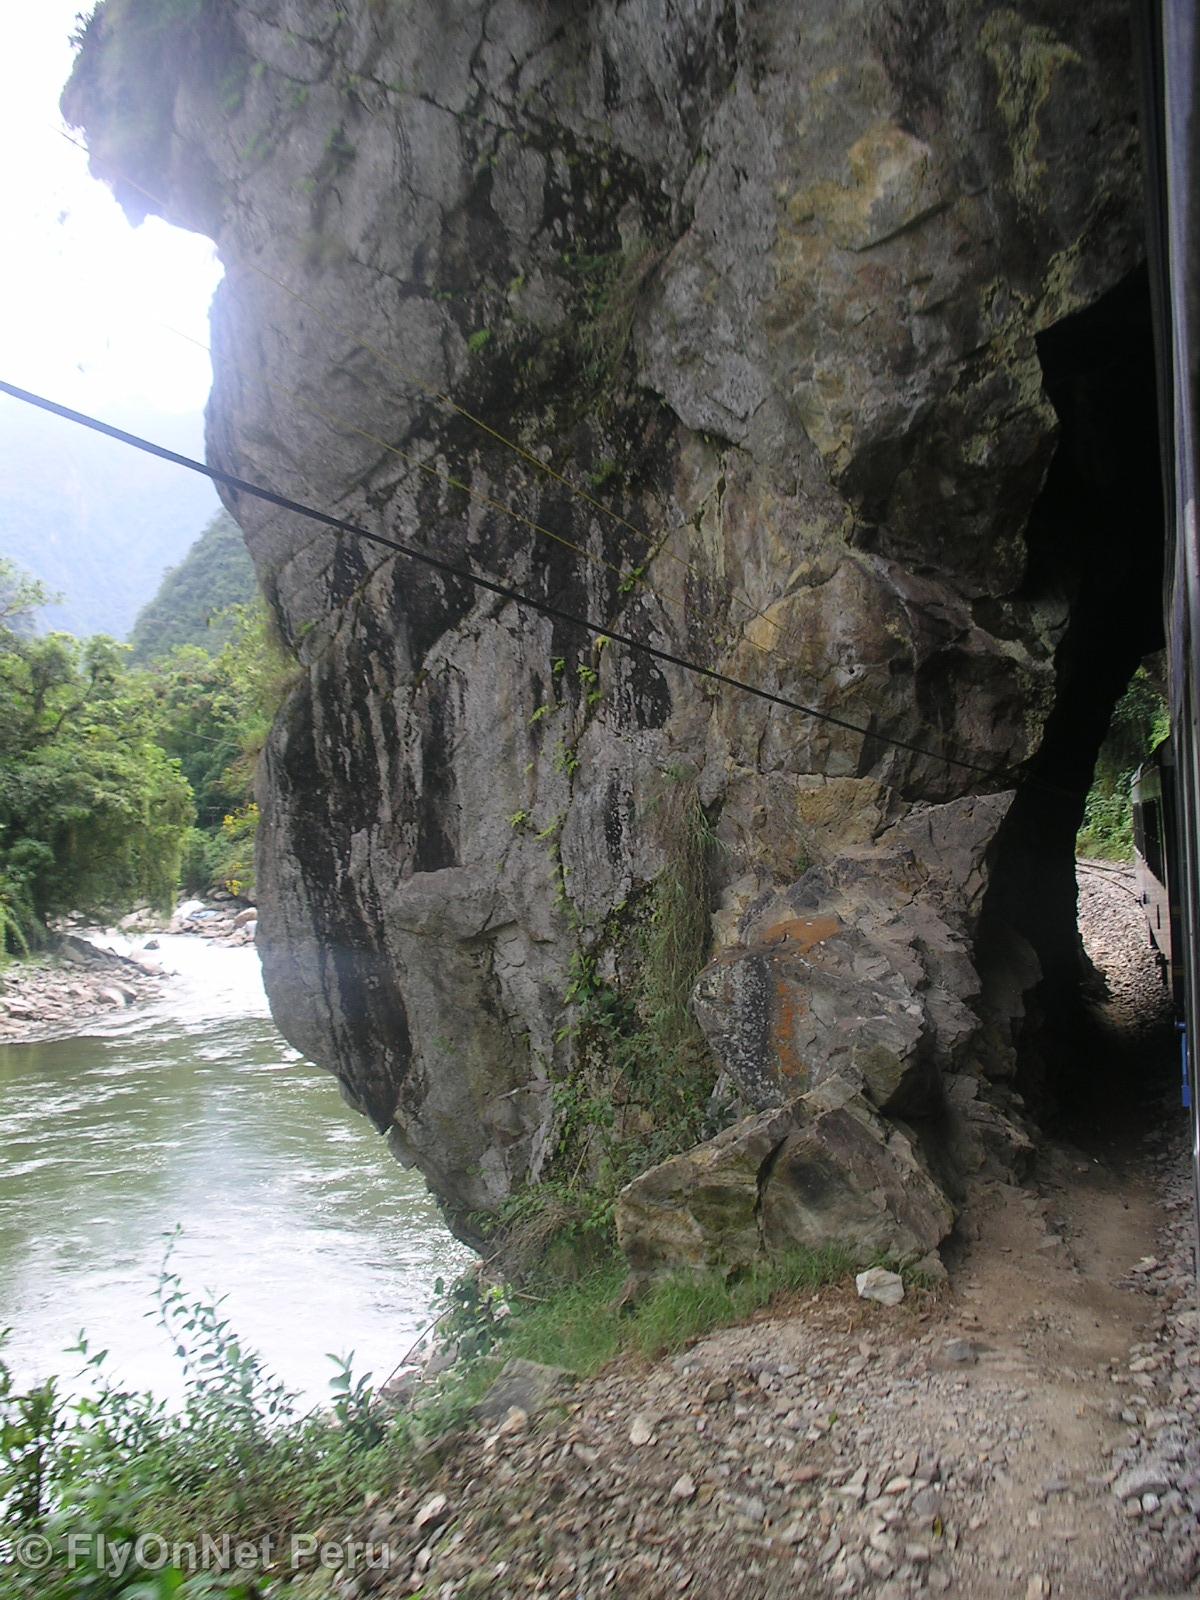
(1096, 541)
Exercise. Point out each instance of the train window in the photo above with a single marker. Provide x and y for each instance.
(1152, 833)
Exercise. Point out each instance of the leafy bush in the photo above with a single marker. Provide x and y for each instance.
(1140, 721)
(95, 1472)
(1107, 831)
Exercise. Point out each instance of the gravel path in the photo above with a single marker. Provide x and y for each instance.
(1031, 1431)
(1115, 936)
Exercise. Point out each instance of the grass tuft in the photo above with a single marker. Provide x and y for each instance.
(582, 1326)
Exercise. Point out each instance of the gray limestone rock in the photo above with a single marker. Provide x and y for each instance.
(748, 300)
(530, 1386)
(862, 965)
(824, 1170)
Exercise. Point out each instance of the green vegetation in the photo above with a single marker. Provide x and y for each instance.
(214, 714)
(219, 675)
(1139, 723)
(649, 1039)
(576, 368)
(609, 285)
(583, 1325)
(643, 1073)
(93, 812)
(193, 599)
(92, 1474)
(119, 782)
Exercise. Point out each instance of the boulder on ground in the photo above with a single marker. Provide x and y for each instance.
(527, 1386)
(701, 1209)
(825, 1170)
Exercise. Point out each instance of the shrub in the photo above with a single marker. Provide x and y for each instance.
(237, 1457)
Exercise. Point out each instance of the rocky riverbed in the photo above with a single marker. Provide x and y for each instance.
(93, 972)
(1032, 1429)
(57, 992)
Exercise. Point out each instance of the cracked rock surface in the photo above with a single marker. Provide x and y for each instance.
(1031, 1430)
(755, 301)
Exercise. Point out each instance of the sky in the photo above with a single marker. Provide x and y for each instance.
(86, 300)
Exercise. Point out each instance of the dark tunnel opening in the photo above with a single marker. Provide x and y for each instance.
(1095, 539)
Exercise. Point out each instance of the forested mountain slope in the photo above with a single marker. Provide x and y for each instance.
(97, 522)
(215, 574)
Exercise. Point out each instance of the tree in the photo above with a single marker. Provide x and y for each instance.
(93, 812)
(214, 714)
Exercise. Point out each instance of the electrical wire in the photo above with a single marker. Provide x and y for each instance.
(493, 586)
(655, 545)
(626, 584)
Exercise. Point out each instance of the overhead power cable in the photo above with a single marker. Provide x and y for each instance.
(655, 544)
(504, 591)
(335, 420)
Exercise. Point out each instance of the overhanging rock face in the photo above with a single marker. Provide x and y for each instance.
(761, 286)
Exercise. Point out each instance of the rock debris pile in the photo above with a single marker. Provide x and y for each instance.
(52, 994)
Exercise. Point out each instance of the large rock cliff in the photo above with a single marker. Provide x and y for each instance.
(722, 322)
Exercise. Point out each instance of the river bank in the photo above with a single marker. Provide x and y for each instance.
(55, 993)
(187, 1107)
(90, 973)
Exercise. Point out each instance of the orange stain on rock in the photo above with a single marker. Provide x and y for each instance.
(797, 936)
(787, 1007)
(802, 934)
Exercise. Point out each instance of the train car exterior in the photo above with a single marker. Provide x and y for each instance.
(1153, 832)
(1169, 45)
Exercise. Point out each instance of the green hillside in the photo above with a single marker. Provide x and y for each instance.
(97, 522)
(215, 574)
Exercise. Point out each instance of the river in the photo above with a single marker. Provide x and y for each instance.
(194, 1111)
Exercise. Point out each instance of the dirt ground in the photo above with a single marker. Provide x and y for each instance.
(1030, 1430)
